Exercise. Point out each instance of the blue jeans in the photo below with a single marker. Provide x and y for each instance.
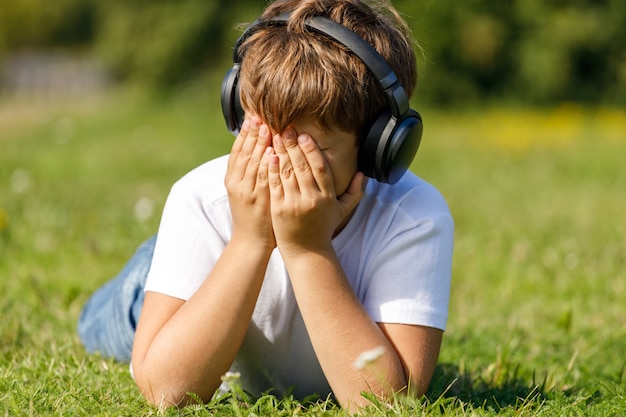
(108, 321)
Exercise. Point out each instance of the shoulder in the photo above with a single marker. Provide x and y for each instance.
(410, 213)
(199, 192)
(206, 174)
(412, 198)
(205, 181)
(399, 252)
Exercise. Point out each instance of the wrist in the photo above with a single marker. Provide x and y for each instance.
(252, 246)
(295, 251)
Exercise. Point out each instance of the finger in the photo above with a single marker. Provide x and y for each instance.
(273, 176)
(238, 143)
(262, 180)
(248, 145)
(319, 174)
(256, 156)
(287, 177)
(301, 168)
(353, 194)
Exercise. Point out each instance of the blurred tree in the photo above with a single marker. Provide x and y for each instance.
(161, 42)
(571, 52)
(526, 50)
(41, 23)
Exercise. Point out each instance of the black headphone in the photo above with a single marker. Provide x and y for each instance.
(391, 141)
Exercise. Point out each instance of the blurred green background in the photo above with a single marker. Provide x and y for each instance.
(105, 103)
(526, 51)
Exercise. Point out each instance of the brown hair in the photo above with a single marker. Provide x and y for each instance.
(289, 72)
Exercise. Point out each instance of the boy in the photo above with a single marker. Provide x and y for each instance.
(281, 261)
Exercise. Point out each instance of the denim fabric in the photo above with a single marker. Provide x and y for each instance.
(109, 318)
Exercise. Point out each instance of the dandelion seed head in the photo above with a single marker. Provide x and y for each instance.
(20, 180)
(144, 209)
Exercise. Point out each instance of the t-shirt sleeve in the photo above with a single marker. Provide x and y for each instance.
(189, 241)
(411, 272)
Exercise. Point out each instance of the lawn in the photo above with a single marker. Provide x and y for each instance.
(537, 320)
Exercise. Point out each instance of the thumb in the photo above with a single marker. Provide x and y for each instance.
(349, 199)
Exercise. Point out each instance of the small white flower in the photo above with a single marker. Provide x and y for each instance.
(229, 379)
(231, 376)
(368, 357)
(20, 180)
(144, 209)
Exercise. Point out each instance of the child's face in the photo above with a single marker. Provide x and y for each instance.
(339, 149)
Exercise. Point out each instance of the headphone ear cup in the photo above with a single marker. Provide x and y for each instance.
(390, 146)
(369, 158)
(231, 104)
(240, 115)
(403, 145)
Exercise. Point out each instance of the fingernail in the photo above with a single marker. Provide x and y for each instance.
(246, 124)
(302, 139)
(289, 133)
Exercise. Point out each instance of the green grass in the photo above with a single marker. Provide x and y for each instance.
(537, 323)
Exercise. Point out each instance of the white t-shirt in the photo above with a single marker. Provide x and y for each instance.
(396, 252)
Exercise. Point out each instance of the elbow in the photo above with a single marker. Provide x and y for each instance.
(159, 395)
(384, 390)
(166, 396)
(357, 403)
(165, 392)
(387, 390)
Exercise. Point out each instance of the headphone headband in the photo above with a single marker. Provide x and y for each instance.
(394, 92)
(390, 143)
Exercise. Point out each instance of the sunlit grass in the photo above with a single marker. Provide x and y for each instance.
(540, 256)
(536, 325)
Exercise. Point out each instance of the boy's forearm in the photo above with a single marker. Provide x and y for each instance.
(199, 342)
(341, 330)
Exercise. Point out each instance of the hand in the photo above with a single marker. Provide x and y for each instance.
(247, 183)
(305, 209)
